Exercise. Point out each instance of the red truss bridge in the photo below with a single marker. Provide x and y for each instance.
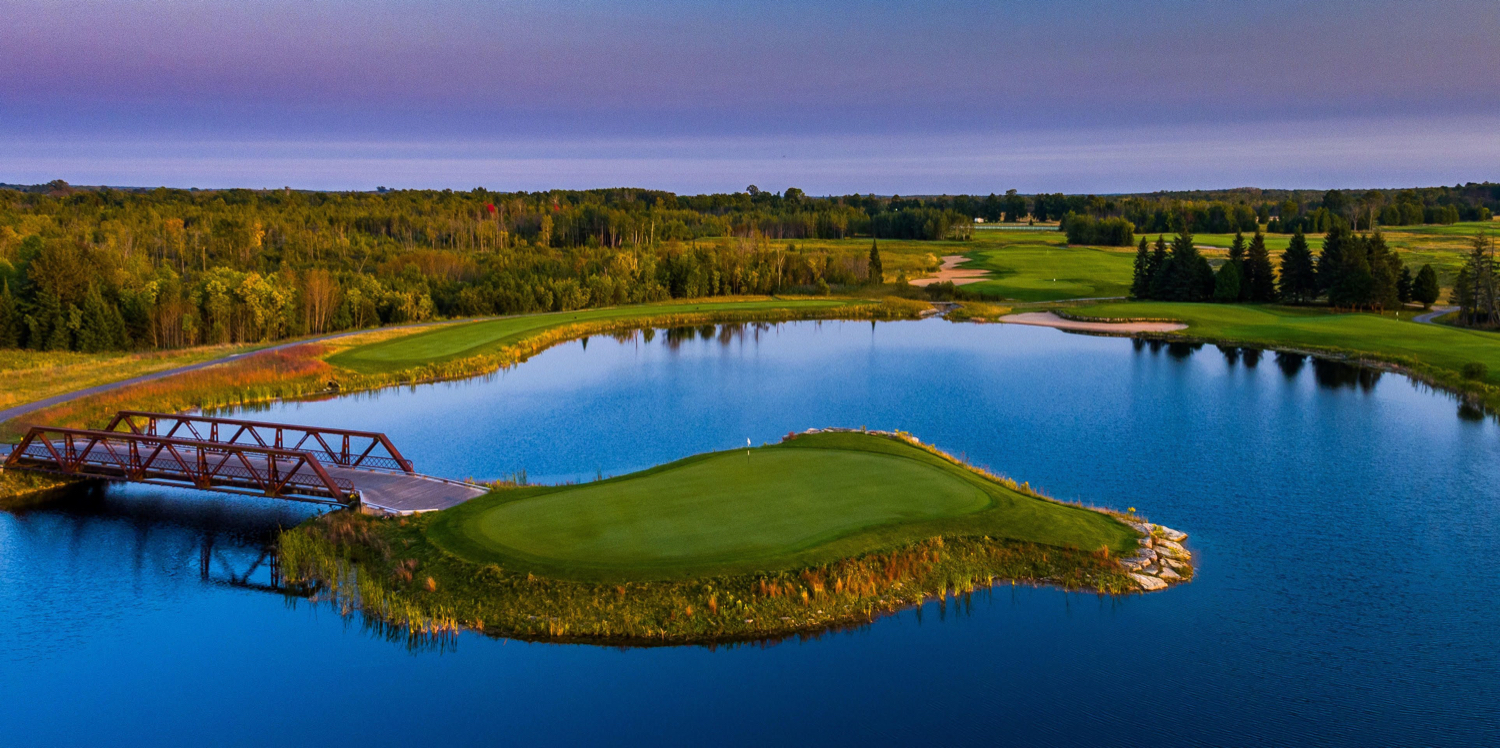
(303, 463)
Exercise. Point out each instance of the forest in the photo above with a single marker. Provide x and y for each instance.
(98, 268)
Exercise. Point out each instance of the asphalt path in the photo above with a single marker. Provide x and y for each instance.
(21, 410)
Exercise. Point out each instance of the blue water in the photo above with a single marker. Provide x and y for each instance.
(1346, 522)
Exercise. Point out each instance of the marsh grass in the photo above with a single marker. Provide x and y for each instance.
(364, 565)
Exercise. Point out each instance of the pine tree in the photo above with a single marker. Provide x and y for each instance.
(1258, 283)
(1189, 277)
(1140, 279)
(1156, 269)
(1299, 281)
(1227, 283)
(1404, 285)
(1237, 258)
(1425, 290)
(1331, 260)
(1353, 282)
(877, 270)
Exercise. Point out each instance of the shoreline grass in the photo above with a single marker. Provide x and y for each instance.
(1435, 354)
(303, 371)
(407, 571)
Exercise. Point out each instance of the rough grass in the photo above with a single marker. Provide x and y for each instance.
(19, 489)
(28, 376)
(806, 501)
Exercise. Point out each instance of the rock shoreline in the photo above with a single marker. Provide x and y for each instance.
(1162, 560)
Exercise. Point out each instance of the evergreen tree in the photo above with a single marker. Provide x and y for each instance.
(1386, 270)
(10, 332)
(1463, 295)
(1353, 283)
(877, 270)
(1140, 279)
(1237, 258)
(1227, 283)
(1258, 283)
(1404, 286)
(1331, 260)
(101, 328)
(1156, 269)
(1299, 281)
(1425, 290)
(1188, 276)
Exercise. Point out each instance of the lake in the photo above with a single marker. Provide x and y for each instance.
(1346, 523)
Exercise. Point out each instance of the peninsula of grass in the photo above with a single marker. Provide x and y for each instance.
(821, 530)
(1436, 353)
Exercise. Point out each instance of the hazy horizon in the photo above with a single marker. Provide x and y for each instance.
(832, 97)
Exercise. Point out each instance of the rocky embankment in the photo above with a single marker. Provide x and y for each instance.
(1161, 561)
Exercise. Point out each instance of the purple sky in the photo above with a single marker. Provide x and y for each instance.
(937, 96)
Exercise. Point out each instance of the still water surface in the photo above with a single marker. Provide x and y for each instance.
(1347, 525)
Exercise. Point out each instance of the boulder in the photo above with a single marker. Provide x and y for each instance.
(1169, 575)
(1171, 548)
(1145, 542)
(1173, 535)
(1148, 583)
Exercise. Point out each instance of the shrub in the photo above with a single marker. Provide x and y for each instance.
(1476, 370)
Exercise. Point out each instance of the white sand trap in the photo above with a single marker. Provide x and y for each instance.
(1048, 319)
(950, 272)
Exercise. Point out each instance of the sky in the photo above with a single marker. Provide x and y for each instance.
(833, 97)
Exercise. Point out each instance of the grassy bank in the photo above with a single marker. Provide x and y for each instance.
(28, 376)
(18, 489)
(818, 531)
(1435, 352)
(446, 352)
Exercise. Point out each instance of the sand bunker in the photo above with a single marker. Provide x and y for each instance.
(1048, 319)
(950, 272)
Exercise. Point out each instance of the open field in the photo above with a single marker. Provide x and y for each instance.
(1387, 337)
(28, 376)
(468, 339)
(804, 502)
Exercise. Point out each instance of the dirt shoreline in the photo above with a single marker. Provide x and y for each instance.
(1048, 319)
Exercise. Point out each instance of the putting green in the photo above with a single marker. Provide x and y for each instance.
(807, 501)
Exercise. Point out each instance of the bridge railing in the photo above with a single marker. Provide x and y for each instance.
(344, 447)
(145, 458)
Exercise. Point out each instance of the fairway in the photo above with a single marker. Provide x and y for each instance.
(810, 500)
(1049, 272)
(1434, 345)
(457, 341)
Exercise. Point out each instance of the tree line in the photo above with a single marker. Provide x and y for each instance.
(1353, 271)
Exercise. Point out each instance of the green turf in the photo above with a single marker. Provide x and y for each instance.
(1434, 345)
(457, 341)
(808, 501)
(1037, 271)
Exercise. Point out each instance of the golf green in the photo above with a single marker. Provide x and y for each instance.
(809, 500)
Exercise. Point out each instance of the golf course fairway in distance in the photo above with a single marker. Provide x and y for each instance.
(806, 501)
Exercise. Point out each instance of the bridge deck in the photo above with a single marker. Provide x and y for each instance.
(384, 492)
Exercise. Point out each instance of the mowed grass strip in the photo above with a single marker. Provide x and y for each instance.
(463, 340)
(808, 501)
(1276, 326)
(1050, 272)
